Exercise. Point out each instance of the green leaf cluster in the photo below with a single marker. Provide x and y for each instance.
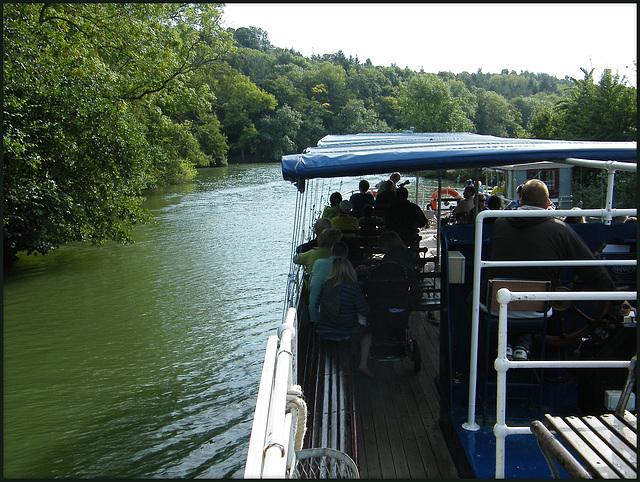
(101, 102)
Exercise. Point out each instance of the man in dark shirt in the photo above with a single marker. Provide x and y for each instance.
(543, 238)
(360, 199)
(404, 217)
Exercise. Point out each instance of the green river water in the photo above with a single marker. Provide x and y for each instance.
(143, 361)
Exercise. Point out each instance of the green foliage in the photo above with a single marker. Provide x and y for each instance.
(428, 104)
(93, 95)
(495, 116)
(240, 104)
(278, 132)
(589, 188)
(102, 101)
(604, 111)
(354, 118)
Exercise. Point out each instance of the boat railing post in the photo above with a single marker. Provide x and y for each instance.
(478, 264)
(504, 296)
(255, 453)
(471, 424)
(279, 424)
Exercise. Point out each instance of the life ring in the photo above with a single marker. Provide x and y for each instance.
(444, 192)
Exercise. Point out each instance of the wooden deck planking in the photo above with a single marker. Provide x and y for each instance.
(397, 415)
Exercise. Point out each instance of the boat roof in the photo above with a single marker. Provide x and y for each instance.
(362, 154)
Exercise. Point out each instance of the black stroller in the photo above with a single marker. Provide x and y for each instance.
(388, 293)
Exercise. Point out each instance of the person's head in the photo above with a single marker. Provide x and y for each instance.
(340, 249)
(388, 185)
(390, 240)
(363, 186)
(395, 177)
(519, 191)
(321, 225)
(402, 194)
(335, 198)
(345, 207)
(494, 203)
(469, 191)
(341, 272)
(482, 201)
(535, 193)
(577, 218)
(329, 237)
(367, 210)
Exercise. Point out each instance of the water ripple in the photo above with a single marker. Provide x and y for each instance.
(143, 361)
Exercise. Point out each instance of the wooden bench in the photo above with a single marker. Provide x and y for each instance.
(604, 447)
(330, 392)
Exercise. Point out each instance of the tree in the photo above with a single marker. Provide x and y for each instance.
(278, 133)
(426, 102)
(240, 104)
(79, 82)
(495, 117)
(606, 111)
(252, 38)
(354, 118)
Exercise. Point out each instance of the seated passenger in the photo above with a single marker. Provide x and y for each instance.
(320, 225)
(358, 200)
(471, 215)
(327, 239)
(465, 205)
(405, 217)
(575, 219)
(368, 222)
(385, 199)
(394, 250)
(383, 185)
(333, 209)
(340, 302)
(515, 204)
(518, 239)
(321, 269)
(494, 203)
(345, 222)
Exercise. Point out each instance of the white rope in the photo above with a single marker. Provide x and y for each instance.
(295, 400)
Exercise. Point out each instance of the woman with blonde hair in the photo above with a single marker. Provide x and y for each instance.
(341, 304)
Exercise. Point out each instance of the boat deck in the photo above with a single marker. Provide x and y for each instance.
(398, 412)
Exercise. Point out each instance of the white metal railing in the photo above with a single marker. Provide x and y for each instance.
(479, 264)
(504, 296)
(271, 450)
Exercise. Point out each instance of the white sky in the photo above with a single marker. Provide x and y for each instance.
(556, 39)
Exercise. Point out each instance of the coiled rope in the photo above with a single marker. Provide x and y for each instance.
(295, 399)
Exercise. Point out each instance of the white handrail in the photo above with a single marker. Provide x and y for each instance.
(504, 296)
(478, 264)
(270, 440)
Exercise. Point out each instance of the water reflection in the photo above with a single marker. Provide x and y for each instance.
(143, 360)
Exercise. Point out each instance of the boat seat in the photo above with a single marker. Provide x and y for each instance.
(526, 316)
(331, 397)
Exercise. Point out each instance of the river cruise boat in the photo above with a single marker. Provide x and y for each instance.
(451, 403)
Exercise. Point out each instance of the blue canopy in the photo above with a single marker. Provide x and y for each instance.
(362, 154)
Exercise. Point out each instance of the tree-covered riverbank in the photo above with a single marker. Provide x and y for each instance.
(103, 101)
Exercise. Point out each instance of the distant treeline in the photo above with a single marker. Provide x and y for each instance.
(105, 100)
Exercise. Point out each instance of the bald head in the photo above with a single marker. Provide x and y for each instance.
(535, 193)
